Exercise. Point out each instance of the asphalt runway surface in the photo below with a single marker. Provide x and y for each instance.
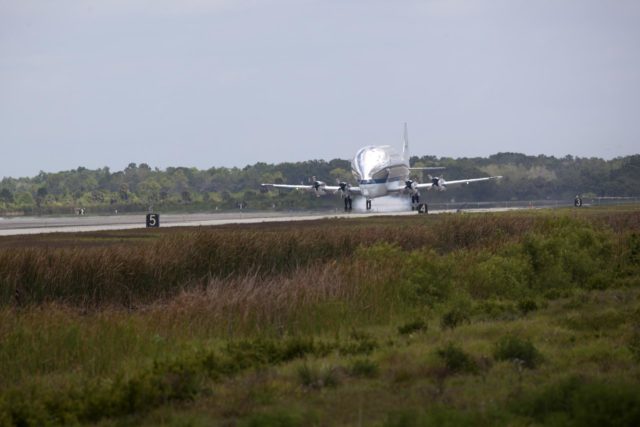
(71, 224)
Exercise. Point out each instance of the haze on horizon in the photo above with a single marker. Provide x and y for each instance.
(233, 82)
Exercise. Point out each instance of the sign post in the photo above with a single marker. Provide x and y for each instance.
(577, 202)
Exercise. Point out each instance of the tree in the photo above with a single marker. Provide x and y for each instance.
(340, 175)
(124, 192)
(6, 195)
(186, 196)
(24, 199)
(41, 194)
(149, 190)
(525, 178)
(97, 196)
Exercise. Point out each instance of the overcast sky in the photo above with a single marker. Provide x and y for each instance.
(233, 82)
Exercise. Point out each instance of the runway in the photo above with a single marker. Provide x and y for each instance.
(72, 224)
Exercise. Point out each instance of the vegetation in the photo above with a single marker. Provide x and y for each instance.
(502, 319)
(518, 351)
(138, 187)
(456, 360)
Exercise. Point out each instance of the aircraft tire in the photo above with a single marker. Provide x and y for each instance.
(347, 204)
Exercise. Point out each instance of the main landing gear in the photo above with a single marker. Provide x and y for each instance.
(347, 204)
(415, 200)
(368, 204)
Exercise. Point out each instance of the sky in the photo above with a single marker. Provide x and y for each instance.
(234, 82)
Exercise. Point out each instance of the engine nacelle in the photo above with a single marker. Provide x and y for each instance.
(319, 188)
(345, 189)
(411, 187)
(439, 184)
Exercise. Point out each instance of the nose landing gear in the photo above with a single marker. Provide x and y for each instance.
(347, 204)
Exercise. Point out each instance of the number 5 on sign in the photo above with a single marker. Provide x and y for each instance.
(153, 220)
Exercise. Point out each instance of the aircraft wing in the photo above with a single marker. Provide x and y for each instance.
(442, 182)
(310, 187)
(427, 168)
(355, 190)
(293, 187)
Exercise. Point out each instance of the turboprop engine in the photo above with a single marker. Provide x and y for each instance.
(438, 183)
(319, 188)
(411, 187)
(345, 189)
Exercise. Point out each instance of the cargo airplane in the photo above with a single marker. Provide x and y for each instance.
(381, 171)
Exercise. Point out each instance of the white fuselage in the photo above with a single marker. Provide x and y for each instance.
(379, 170)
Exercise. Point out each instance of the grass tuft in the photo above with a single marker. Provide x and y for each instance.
(517, 350)
(456, 360)
(364, 368)
(417, 325)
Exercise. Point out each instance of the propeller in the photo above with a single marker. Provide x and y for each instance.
(345, 188)
(438, 183)
(411, 186)
(318, 187)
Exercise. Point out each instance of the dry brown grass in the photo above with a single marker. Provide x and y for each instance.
(136, 272)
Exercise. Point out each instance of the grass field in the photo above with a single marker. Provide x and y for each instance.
(521, 318)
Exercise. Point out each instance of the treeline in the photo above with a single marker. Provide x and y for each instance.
(139, 187)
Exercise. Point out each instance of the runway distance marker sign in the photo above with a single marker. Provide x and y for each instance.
(153, 220)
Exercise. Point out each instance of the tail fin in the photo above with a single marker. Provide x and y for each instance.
(405, 147)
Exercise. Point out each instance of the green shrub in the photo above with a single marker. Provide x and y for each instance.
(442, 416)
(517, 350)
(317, 377)
(176, 380)
(381, 253)
(365, 368)
(359, 343)
(454, 318)
(595, 320)
(430, 279)
(527, 306)
(633, 342)
(496, 310)
(577, 401)
(258, 352)
(456, 360)
(633, 249)
(554, 294)
(500, 277)
(544, 257)
(403, 418)
(20, 410)
(276, 419)
(411, 327)
(601, 404)
(570, 253)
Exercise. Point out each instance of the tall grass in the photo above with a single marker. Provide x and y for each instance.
(133, 275)
(121, 329)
